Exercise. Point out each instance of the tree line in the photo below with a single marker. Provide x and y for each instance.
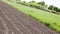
(40, 5)
(51, 7)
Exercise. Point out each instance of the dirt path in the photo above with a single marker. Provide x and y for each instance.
(15, 22)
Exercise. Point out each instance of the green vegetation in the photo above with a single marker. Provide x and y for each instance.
(51, 7)
(40, 5)
(49, 19)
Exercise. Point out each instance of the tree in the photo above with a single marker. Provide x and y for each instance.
(41, 3)
(55, 8)
(51, 7)
(33, 1)
(58, 10)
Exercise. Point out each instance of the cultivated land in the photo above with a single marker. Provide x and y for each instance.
(49, 19)
(15, 22)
